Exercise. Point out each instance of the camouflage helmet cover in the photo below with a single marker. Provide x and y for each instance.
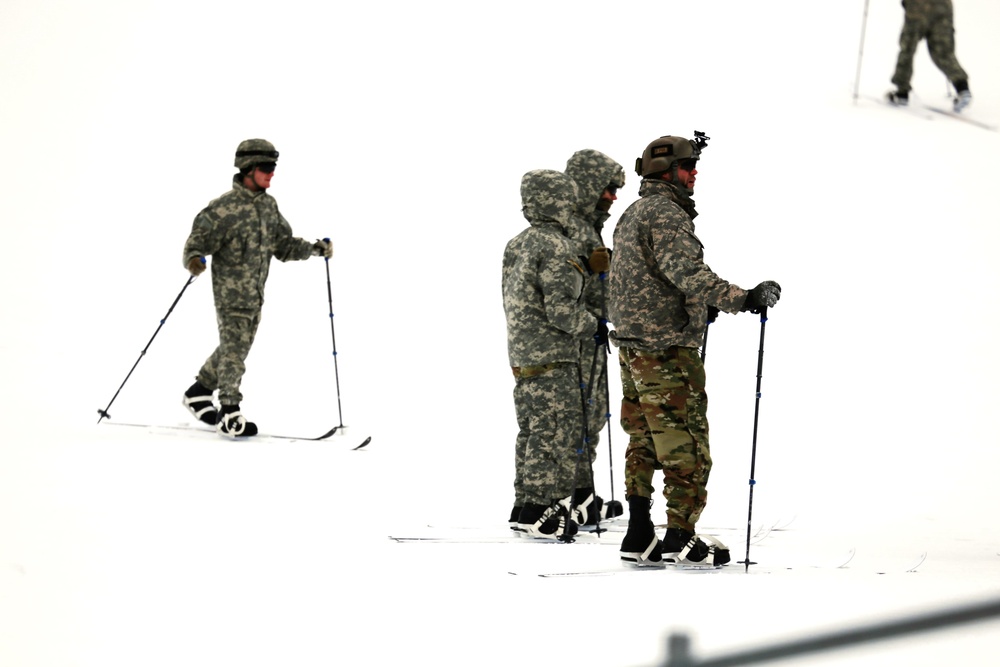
(254, 151)
(547, 194)
(661, 154)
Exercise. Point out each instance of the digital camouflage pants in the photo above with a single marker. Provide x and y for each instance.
(224, 369)
(940, 36)
(664, 408)
(550, 432)
(595, 376)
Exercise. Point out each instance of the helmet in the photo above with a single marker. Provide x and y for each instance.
(254, 151)
(662, 154)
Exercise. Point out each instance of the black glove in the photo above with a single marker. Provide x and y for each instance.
(762, 296)
(713, 312)
(601, 337)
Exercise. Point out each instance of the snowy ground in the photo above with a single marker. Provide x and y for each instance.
(404, 130)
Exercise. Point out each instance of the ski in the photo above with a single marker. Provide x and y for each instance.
(624, 569)
(959, 116)
(844, 560)
(497, 538)
(839, 562)
(616, 525)
(756, 536)
(152, 428)
(363, 443)
(485, 539)
(911, 566)
(781, 524)
(909, 109)
(835, 563)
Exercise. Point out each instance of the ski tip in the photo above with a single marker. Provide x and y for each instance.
(363, 443)
(328, 433)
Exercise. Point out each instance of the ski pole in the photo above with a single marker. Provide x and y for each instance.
(607, 390)
(586, 396)
(104, 413)
(753, 452)
(607, 419)
(704, 342)
(861, 50)
(333, 336)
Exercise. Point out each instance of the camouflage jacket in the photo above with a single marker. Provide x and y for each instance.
(543, 284)
(593, 172)
(660, 288)
(241, 231)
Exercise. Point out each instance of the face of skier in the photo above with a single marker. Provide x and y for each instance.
(608, 197)
(260, 178)
(686, 172)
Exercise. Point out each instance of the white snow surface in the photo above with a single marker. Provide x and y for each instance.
(404, 129)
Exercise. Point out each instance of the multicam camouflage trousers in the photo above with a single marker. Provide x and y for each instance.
(224, 369)
(940, 36)
(550, 432)
(664, 407)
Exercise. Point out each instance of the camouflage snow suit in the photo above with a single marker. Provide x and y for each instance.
(934, 21)
(658, 297)
(593, 172)
(546, 322)
(241, 231)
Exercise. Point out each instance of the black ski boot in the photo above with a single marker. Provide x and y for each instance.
(232, 424)
(641, 547)
(589, 507)
(583, 507)
(610, 509)
(550, 522)
(683, 547)
(515, 512)
(198, 401)
(962, 96)
(897, 98)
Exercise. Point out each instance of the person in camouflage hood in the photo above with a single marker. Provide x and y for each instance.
(659, 295)
(241, 231)
(934, 21)
(542, 281)
(598, 179)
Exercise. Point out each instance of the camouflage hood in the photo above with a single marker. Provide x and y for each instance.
(548, 196)
(593, 171)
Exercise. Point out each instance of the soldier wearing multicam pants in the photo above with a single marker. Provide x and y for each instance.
(240, 231)
(659, 296)
(934, 21)
(598, 179)
(546, 322)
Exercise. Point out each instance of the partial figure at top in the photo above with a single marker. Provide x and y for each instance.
(934, 21)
